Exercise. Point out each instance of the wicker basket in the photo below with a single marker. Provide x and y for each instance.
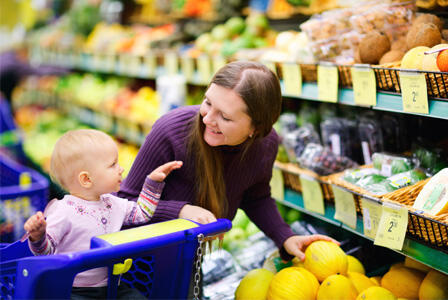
(345, 76)
(309, 72)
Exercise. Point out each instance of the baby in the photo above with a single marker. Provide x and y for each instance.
(85, 163)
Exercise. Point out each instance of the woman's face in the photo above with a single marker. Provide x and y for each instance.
(224, 115)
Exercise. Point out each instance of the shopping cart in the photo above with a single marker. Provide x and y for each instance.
(163, 257)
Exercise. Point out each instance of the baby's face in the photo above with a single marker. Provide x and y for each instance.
(105, 172)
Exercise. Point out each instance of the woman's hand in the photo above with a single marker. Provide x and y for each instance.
(197, 214)
(36, 226)
(297, 244)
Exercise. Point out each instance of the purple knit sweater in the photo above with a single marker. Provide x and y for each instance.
(247, 181)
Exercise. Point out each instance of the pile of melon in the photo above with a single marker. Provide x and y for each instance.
(328, 273)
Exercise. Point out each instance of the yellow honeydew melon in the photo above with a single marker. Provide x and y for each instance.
(403, 282)
(429, 62)
(254, 285)
(296, 262)
(324, 258)
(293, 283)
(354, 265)
(413, 264)
(360, 281)
(337, 287)
(397, 265)
(413, 58)
(376, 280)
(376, 293)
(434, 286)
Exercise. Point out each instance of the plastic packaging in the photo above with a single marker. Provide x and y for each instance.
(389, 164)
(394, 133)
(432, 161)
(371, 137)
(296, 141)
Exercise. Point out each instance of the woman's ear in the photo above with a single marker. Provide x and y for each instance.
(84, 179)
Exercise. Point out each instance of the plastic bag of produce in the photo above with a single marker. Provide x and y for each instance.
(371, 137)
(389, 164)
(296, 141)
(432, 161)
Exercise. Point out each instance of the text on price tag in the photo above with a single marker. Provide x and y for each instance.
(313, 198)
(345, 207)
(204, 68)
(414, 92)
(364, 86)
(392, 228)
(277, 186)
(371, 216)
(327, 83)
(171, 66)
(292, 79)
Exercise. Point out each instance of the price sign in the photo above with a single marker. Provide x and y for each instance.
(277, 186)
(327, 83)
(218, 63)
(392, 228)
(204, 69)
(271, 66)
(171, 66)
(150, 63)
(414, 92)
(292, 79)
(345, 207)
(364, 86)
(187, 65)
(313, 198)
(371, 215)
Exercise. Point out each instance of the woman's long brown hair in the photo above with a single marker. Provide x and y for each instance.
(260, 90)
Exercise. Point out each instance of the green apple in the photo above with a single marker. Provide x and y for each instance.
(235, 25)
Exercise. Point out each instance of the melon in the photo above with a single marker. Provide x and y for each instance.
(254, 285)
(376, 280)
(376, 293)
(434, 286)
(413, 59)
(324, 258)
(403, 282)
(411, 263)
(360, 281)
(337, 287)
(293, 283)
(354, 265)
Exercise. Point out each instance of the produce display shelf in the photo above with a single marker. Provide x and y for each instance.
(418, 251)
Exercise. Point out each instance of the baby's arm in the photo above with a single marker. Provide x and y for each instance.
(36, 227)
(150, 194)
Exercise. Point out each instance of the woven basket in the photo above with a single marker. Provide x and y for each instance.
(309, 72)
(345, 76)
(437, 84)
(387, 78)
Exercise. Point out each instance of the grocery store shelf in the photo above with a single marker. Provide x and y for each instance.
(418, 251)
(387, 102)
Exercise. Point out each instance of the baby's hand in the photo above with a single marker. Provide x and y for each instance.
(164, 170)
(35, 226)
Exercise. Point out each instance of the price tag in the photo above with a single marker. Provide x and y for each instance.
(150, 63)
(392, 228)
(371, 215)
(345, 207)
(414, 92)
(218, 63)
(204, 69)
(327, 83)
(171, 66)
(313, 198)
(292, 79)
(187, 65)
(271, 66)
(277, 186)
(364, 86)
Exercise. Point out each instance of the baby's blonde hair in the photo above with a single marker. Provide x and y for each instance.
(73, 152)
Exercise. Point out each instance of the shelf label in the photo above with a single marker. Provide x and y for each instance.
(414, 92)
(292, 79)
(187, 65)
(392, 227)
(277, 186)
(371, 215)
(149, 60)
(270, 65)
(313, 198)
(218, 62)
(327, 83)
(345, 207)
(171, 66)
(204, 69)
(364, 86)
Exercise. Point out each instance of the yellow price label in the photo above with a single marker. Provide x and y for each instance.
(313, 199)
(292, 79)
(277, 186)
(345, 207)
(414, 92)
(218, 62)
(204, 69)
(327, 83)
(371, 216)
(171, 66)
(364, 86)
(392, 228)
(271, 66)
(150, 62)
(187, 65)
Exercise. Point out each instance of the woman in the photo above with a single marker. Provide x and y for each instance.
(228, 147)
